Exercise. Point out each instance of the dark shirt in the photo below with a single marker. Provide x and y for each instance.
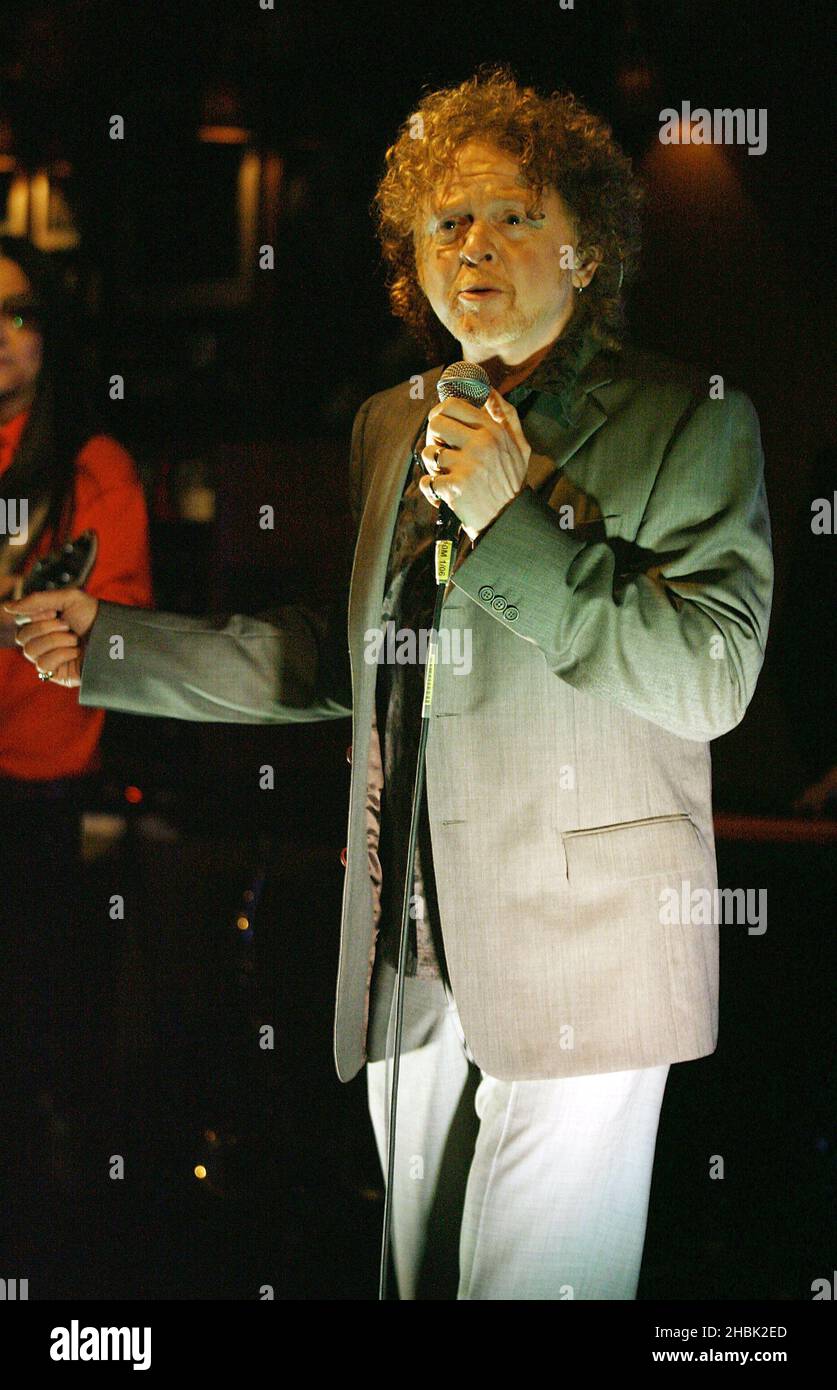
(409, 596)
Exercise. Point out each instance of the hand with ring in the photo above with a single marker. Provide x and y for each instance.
(486, 458)
(51, 631)
(431, 489)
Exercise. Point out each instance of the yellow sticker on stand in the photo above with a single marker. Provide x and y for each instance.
(444, 554)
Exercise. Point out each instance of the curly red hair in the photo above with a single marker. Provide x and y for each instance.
(557, 142)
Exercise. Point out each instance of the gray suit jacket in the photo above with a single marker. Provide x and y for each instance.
(568, 775)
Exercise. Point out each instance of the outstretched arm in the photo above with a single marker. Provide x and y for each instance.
(289, 665)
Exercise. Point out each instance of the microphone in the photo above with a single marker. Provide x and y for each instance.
(469, 382)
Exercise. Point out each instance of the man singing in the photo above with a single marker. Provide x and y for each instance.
(614, 578)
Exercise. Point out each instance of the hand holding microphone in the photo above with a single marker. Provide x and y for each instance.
(476, 453)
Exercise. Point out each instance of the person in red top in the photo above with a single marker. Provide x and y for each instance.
(45, 733)
(71, 476)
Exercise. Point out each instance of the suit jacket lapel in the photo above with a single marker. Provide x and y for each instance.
(377, 523)
(554, 442)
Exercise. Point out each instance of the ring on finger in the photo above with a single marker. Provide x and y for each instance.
(45, 675)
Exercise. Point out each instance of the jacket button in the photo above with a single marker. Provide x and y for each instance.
(511, 614)
(499, 603)
(486, 593)
(349, 754)
(344, 855)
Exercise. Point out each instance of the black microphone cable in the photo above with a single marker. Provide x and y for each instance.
(446, 543)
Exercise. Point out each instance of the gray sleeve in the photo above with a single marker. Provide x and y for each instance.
(289, 665)
(679, 639)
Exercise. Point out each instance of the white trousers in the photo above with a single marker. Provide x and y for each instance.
(539, 1187)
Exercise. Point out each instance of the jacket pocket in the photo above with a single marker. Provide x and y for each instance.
(632, 849)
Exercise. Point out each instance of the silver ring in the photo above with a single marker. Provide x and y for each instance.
(45, 675)
(439, 448)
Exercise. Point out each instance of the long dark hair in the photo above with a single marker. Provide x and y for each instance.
(61, 417)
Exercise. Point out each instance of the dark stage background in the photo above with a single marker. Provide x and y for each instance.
(246, 127)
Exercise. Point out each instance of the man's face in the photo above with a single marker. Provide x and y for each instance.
(481, 227)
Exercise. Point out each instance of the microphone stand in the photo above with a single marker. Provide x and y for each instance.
(447, 531)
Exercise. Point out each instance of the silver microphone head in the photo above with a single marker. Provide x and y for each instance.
(467, 380)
